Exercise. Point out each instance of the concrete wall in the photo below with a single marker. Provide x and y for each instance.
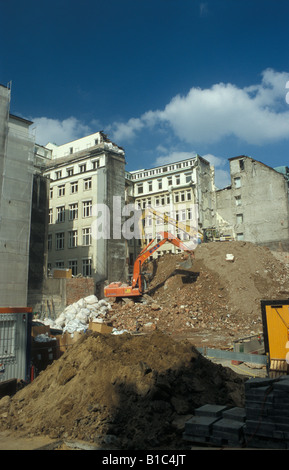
(56, 294)
(116, 244)
(38, 234)
(16, 176)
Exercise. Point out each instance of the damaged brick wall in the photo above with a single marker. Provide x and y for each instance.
(77, 288)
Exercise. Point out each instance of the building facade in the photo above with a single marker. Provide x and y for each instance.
(182, 190)
(85, 178)
(255, 206)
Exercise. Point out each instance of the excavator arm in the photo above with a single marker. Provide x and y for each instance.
(117, 289)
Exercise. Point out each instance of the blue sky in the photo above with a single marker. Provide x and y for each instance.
(165, 79)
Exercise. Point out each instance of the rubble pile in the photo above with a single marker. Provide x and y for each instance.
(121, 391)
(216, 300)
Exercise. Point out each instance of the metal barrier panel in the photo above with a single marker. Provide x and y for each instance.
(15, 333)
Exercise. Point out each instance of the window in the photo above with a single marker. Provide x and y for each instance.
(87, 184)
(188, 177)
(86, 236)
(71, 150)
(51, 193)
(189, 195)
(86, 267)
(59, 264)
(189, 214)
(50, 216)
(49, 241)
(177, 197)
(237, 182)
(240, 236)
(170, 180)
(60, 214)
(82, 168)
(183, 215)
(69, 171)
(95, 164)
(7, 338)
(239, 218)
(87, 208)
(140, 188)
(178, 179)
(238, 200)
(241, 165)
(182, 196)
(58, 174)
(72, 239)
(160, 184)
(73, 211)
(60, 241)
(61, 190)
(150, 183)
(72, 264)
(74, 187)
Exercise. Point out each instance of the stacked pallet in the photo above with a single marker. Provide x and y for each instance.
(216, 425)
(262, 423)
(267, 413)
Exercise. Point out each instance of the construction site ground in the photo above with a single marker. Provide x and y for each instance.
(136, 389)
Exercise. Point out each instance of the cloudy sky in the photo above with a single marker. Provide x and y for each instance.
(165, 79)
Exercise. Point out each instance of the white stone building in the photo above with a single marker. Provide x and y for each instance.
(86, 174)
(183, 190)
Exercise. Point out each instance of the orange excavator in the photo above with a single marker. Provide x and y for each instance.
(136, 289)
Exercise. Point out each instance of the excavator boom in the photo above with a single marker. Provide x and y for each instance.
(117, 289)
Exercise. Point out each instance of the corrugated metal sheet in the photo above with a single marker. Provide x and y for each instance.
(15, 334)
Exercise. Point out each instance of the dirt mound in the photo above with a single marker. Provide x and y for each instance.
(217, 299)
(123, 391)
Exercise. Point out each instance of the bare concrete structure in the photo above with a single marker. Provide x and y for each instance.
(16, 180)
(255, 206)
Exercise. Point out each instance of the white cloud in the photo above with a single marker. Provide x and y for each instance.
(257, 114)
(59, 132)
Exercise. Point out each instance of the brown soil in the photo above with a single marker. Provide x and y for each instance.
(215, 302)
(125, 392)
(136, 391)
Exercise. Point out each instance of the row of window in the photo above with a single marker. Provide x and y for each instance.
(164, 199)
(72, 212)
(86, 266)
(73, 188)
(163, 169)
(70, 171)
(72, 239)
(176, 180)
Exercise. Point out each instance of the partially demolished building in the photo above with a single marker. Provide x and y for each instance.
(255, 206)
